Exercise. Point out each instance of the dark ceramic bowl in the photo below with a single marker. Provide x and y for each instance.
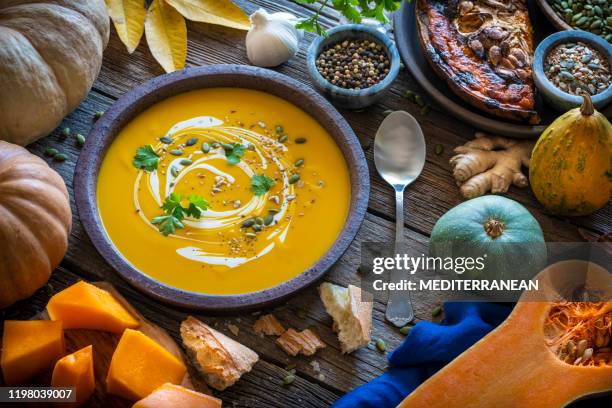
(554, 96)
(160, 88)
(353, 98)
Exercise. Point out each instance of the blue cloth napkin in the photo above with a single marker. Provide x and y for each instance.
(426, 349)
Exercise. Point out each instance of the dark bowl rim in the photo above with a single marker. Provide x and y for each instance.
(224, 75)
(552, 16)
(315, 49)
(544, 48)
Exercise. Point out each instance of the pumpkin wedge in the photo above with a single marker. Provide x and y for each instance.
(85, 306)
(30, 348)
(171, 396)
(548, 353)
(139, 365)
(76, 370)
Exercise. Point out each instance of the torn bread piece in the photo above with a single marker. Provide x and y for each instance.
(306, 342)
(268, 325)
(352, 316)
(220, 359)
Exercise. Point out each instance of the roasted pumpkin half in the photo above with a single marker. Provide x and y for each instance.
(483, 49)
(548, 353)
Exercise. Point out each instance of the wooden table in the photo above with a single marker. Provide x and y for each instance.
(426, 200)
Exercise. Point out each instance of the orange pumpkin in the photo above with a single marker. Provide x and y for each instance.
(35, 222)
(548, 353)
(76, 370)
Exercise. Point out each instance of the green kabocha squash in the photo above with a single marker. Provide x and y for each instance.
(571, 165)
(501, 228)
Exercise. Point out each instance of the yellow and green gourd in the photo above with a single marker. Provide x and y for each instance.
(571, 164)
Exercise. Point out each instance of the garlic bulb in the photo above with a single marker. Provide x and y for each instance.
(272, 39)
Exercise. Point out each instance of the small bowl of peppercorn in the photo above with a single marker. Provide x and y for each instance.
(354, 65)
(567, 64)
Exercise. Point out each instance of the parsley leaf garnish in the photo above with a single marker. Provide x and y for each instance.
(234, 152)
(167, 224)
(196, 205)
(146, 158)
(260, 184)
(175, 212)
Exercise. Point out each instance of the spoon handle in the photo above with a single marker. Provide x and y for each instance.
(399, 305)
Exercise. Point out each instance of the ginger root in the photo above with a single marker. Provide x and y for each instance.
(490, 163)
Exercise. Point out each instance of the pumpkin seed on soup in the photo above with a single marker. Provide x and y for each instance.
(294, 178)
(185, 162)
(176, 152)
(283, 138)
(248, 223)
(166, 140)
(268, 219)
(205, 147)
(191, 141)
(299, 163)
(300, 140)
(174, 172)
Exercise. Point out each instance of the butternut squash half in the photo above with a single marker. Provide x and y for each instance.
(548, 353)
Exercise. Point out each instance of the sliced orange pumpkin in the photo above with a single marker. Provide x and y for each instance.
(30, 348)
(548, 353)
(85, 306)
(172, 396)
(139, 365)
(76, 370)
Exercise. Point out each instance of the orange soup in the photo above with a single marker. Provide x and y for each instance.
(223, 191)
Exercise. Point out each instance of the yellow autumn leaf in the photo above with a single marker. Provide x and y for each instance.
(220, 12)
(128, 17)
(166, 33)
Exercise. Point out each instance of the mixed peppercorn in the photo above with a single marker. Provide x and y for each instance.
(354, 64)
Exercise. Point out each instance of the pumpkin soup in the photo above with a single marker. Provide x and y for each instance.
(223, 191)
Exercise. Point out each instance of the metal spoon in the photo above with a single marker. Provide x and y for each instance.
(399, 155)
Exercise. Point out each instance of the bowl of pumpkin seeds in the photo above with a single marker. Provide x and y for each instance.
(568, 64)
(594, 16)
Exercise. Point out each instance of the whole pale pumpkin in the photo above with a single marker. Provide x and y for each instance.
(35, 221)
(50, 54)
(571, 165)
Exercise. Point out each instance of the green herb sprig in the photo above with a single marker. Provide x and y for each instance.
(260, 184)
(175, 213)
(353, 10)
(146, 158)
(233, 152)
